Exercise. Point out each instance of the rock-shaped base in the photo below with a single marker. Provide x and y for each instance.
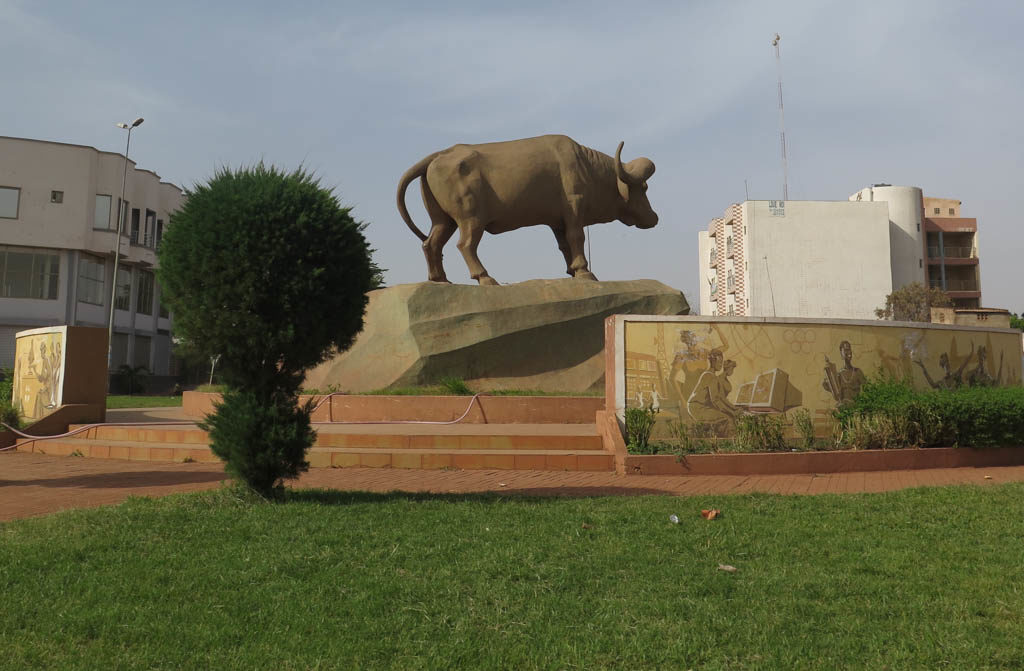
(546, 335)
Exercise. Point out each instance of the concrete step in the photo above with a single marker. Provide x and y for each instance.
(388, 436)
(342, 457)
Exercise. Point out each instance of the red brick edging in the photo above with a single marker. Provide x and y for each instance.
(823, 462)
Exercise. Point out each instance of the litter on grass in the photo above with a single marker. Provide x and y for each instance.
(710, 514)
(674, 519)
(727, 568)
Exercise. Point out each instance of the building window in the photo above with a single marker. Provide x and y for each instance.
(714, 287)
(952, 211)
(731, 310)
(938, 210)
(91, 274)
(144, 296)
(135, 226)
(149, 238)
(159, 232)
(730, 283)
(119, 350)
(122, 301)
(728, 246)
(140, 357)
(28, 274)
(9, 198)
(56, 196)
(164, 314)
(102, 219)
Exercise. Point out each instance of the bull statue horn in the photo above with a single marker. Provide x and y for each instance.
(637, 172)
(620, 170)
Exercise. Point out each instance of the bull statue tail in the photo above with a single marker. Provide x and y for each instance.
(418, 170)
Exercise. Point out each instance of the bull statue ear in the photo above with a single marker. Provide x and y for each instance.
(623, 190)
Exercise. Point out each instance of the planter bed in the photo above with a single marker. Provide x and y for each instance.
(822, 462)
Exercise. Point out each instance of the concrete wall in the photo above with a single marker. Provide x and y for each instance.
(704, 250)
(906, 237)
(944, 205)
(817, 259)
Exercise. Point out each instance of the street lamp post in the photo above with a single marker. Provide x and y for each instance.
(117, 248)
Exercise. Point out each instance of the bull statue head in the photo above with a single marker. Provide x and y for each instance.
(632, 180)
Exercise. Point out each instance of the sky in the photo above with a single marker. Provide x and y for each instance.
(926, 94)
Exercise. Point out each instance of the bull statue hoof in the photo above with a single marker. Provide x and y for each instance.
(487, 281)
(585, 275)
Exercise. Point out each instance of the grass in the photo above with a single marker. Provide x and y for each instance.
(114, 402)
(925, 578)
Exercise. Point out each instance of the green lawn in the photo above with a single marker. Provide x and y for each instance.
(115, 402)
(918, 579)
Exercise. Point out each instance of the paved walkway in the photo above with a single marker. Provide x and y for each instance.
(38, 484)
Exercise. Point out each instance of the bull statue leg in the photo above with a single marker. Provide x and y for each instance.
(470, 232)
(441, 229)
(575, 237)
(563, 246)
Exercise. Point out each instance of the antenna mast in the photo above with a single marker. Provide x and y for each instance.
(782, 119)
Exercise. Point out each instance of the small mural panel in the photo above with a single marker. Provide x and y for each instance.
(39, 371)
(711, 371)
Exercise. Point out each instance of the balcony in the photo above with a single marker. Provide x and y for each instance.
(714, 257)
(949, 252)
(954, 285)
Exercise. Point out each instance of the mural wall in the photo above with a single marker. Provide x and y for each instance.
(712, 371)
(39, 371)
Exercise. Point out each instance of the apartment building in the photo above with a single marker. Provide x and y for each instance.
(836, 258)
(951, 242)
(58, 224)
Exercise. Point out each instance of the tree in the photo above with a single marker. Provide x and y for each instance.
(269, 271)
(1016, 322)
(913, 303)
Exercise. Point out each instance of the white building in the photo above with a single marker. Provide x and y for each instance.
(58, 222)
(825, 258)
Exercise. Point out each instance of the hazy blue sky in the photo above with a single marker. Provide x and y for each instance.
(910, 93)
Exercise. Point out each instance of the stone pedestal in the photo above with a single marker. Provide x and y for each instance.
(545, 335)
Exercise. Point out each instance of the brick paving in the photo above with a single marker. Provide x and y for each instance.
(37, 484)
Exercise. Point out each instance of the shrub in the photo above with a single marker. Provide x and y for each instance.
(639, 423)
(760, 433)
(269, 271)
(456, 386)
(9, 415)
(262, 443)
(889, 413)
(696, 438)
(132, 379)
(804, 425)
(6, 385)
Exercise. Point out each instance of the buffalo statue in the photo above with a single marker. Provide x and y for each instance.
(501, 186)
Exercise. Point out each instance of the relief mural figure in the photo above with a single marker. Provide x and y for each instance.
(708, 403)
(980, 377)
(951, 380)
(844, 384)
(689, 364)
